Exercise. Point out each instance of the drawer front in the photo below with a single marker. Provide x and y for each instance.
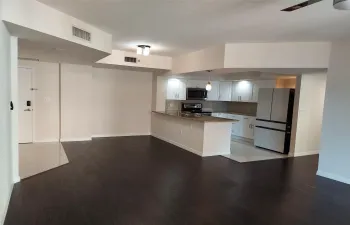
(269, 139)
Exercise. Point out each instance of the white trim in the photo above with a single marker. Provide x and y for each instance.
(46, 141)
(7, 203)
(297, 154)
(75, 139)
(178, 145)
(333, 177)
(14, 114)
(120, 135)
(16, 179)
(216, 154)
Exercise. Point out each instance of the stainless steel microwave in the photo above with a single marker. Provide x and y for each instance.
(196, 94)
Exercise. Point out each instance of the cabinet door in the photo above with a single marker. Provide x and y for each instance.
(172, 87)
(236, 126)
(225, 91)
(181, 91)
(197, 83)
(234, 95)
(244, 91)
(248, 127)
(213, 95)
(261, 84)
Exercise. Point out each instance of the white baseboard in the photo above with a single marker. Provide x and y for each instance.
(178, 144)
(333, 177)
(46, 141)
(216, 154)
(119, 135)
(2, 217)
(16, 179)
(75, 139)
(297, 154)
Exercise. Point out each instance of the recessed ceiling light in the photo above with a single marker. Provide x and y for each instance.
(143, 50)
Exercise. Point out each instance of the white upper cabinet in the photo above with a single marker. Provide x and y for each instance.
(261, 84)
(196, 83)
(213, 95)
(182, 90)
(234, 95)
(176, 89)
(242, 91)
(225, 91)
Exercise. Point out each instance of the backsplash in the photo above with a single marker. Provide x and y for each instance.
(248, 108)
(216, 106)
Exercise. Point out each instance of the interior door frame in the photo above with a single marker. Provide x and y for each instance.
(33, 99)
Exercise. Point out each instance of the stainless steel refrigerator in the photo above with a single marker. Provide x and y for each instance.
(274, 117)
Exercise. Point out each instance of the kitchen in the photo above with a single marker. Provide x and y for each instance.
(228, 97)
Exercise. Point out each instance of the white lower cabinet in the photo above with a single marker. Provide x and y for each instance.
(248, 127)
(244, 127)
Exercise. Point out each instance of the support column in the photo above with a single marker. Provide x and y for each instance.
(335, 151)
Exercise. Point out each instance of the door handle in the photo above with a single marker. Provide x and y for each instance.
(27, 110)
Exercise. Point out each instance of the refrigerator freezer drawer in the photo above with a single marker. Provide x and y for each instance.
(269, 139)
(278, 126)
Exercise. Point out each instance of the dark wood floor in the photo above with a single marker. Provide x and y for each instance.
(145, 181)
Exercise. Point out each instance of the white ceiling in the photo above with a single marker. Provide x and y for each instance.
(174, 27)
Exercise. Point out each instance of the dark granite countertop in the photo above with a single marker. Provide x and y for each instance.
(195, 117)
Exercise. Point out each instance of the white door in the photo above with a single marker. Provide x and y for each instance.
(225, 91)
(25, 106)
(280, 104)
(264, 104)
(213, 95)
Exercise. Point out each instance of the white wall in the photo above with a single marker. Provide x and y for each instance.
(76, 102)
(5, 118)
(335, 154)
(277, 55)
(14, 114)
(206, 59)
(122, 102)
(46, 100)
(152, 61)
(310, 95)
(159, 93)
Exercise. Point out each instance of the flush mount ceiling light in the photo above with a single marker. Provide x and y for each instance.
(143, 50)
